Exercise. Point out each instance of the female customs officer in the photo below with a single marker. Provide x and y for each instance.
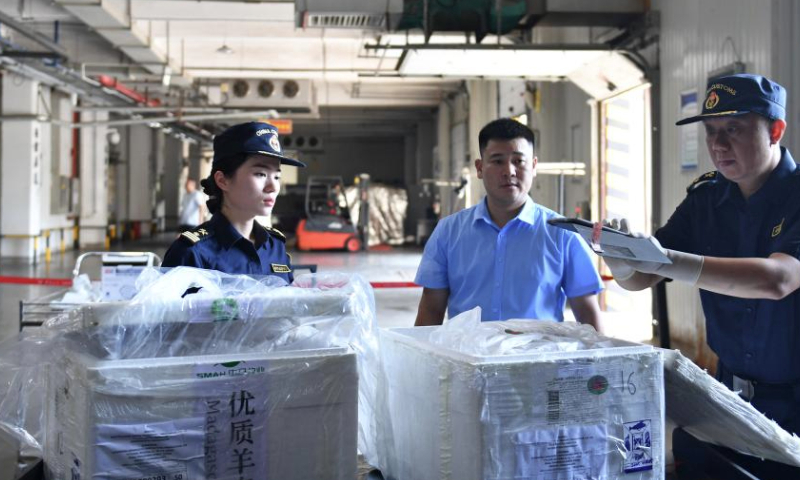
(244, 183)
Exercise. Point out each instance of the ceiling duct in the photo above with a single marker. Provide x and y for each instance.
(584, 13)
(112, 20)
(363, 21)
(476, 16)
(481, 16)
(348, 14)
(607, 75)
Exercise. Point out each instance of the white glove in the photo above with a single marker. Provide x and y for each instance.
(685, 267)
(620, 269)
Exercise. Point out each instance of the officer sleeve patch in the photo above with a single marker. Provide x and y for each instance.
(279, 268)
(708, 178)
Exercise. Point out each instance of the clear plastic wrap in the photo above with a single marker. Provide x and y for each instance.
(24, 362)
(244, 377)
(713, 413)
(592, 409)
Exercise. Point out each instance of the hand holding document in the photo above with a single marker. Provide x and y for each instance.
(607, 241)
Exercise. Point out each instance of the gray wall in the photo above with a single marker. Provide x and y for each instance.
(382, 157)
(563, 126)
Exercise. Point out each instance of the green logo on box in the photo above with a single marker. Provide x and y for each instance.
(597, 385)
(224, 309)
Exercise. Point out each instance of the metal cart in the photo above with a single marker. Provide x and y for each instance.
(32, 313)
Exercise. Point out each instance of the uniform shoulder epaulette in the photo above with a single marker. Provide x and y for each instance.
(277, 233)
(709, 178)
(195, 235)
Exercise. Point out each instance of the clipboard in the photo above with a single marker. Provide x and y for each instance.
(608, 242)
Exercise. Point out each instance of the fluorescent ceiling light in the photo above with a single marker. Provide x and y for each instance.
(561, 168)
(497, 63)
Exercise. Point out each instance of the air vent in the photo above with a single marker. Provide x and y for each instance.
(302, 143)
(240, 88)
(360, 21)
(265, 88)
(290, 89)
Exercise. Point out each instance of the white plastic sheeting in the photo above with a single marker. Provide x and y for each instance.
(244, 377)
(713, 413)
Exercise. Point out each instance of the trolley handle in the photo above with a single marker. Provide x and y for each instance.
(150, 259)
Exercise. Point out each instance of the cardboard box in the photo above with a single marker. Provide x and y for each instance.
(279, 416)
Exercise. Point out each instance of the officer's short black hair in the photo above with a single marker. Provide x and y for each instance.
(504, 129)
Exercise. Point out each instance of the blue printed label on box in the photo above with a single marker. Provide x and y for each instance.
(638, 444)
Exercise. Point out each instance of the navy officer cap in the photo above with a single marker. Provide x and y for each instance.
(740, 94)
(257, 138)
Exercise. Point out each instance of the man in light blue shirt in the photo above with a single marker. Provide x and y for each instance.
(501, 254)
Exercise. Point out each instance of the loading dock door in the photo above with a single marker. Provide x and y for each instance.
(625, 192)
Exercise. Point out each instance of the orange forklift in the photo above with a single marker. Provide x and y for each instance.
(328, 225)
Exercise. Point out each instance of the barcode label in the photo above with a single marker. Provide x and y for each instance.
(553, 405)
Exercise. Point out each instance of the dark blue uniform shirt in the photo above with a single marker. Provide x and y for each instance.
(754, 339)
(216, 245)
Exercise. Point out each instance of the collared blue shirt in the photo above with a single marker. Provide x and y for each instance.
(216, 245)
(754, 339)
(527, 269)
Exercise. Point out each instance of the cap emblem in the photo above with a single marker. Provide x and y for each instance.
(274, 143)
(712, 100)
(263, 131)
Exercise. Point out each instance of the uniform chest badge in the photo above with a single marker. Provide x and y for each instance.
(776, 230)
(279, 268)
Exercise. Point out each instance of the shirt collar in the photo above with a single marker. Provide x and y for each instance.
(773, 190)
(260, 234)
(224, 231)
(527, 214)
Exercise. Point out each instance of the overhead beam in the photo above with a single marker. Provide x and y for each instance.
(185, 10)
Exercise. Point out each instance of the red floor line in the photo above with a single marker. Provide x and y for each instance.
(393, 284)
(54, 282)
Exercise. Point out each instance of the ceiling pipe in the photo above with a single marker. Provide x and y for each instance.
(123, 108)
(111, 82)
(189, 118)
(54, 48)
(473, 46)
(65, 80)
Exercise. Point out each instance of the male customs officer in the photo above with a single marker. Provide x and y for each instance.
(244, 184)
(736, 236)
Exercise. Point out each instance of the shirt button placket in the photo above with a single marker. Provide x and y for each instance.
(499, 265)
(749, 315)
